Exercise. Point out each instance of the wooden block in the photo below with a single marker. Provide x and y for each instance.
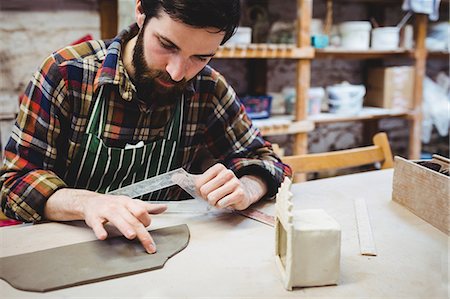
(307, 244)
(422, 191)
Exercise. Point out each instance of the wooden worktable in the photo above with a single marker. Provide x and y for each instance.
(233, 257)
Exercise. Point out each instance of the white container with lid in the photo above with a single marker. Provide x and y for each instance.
(385, 38)
(345, 98)
(355, 35)
(242, 36)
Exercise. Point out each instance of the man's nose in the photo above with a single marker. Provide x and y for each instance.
(176, 67)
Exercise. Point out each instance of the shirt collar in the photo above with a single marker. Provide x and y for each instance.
(113, 70)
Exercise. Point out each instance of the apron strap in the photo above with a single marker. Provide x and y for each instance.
(93, 125)
(177, 121)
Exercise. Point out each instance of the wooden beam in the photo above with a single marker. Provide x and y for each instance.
(303, 74)
(109, 18)
(420, 55)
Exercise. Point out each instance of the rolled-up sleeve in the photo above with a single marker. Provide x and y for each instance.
(232, 139)
(27, 179)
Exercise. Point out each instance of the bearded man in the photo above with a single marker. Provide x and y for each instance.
(105, 114)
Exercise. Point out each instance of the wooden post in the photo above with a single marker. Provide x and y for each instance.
(109, 18)
(304, 14)
(420, 55)
(328, 18)
(257, 76)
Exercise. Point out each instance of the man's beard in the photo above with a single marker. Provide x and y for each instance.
(148, 90)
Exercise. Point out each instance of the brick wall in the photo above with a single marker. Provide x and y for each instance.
(28, 37)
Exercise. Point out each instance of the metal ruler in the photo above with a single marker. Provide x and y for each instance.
(257, 215)
(366, 242)
(178, 177)
(185, 180)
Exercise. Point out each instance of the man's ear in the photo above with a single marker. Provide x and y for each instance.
(139, 12)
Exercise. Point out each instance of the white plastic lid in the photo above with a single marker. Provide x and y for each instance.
(386, 29)
(355, 26)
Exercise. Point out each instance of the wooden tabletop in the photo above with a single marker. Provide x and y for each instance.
(230, 256)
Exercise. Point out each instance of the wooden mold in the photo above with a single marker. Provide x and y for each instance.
(424, 191)
(307, 244)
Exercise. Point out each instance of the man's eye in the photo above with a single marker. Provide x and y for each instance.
(201, 58)
(166, 46)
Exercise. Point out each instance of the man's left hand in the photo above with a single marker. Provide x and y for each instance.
(222, 189)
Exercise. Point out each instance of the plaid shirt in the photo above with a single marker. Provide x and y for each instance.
(55, 110)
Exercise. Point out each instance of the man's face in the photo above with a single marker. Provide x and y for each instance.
(169, 53)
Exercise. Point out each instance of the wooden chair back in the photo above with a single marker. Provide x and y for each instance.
(380, 152)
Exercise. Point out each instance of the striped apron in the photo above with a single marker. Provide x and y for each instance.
(100, 168)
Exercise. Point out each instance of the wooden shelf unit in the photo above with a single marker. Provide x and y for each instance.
(303, 53)
(418, 55)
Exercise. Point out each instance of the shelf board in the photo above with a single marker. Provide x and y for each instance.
(379, 2)
(7, 116)
(367, 113)
(362, 54)
(439, 54)
(285, 124)
(281, 125)
(265, 51)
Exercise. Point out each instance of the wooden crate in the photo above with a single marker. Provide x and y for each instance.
(423, 191)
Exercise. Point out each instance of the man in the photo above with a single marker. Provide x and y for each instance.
(104, 114)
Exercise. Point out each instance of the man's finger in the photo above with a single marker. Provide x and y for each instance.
(209, 174)
(223, 178)
(155, 208)
(146, 239)
(131, 227)
(140, 212)
(99, 230)
(123, 222)
(219, 193)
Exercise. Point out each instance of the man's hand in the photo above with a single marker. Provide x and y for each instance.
(222, 189)
(130, 216)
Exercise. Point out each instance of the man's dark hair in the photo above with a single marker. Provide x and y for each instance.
(221, 14)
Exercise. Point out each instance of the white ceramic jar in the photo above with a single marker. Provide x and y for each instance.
(355, 35)
(385, 38)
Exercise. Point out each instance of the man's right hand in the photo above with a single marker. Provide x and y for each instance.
(130, 216)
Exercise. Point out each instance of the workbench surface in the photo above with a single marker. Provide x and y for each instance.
(230, 256)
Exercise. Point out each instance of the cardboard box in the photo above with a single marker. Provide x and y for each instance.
(423, 191)
(390, 87)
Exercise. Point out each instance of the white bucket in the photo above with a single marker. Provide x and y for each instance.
(355, 35)
(345, 98)
(385, 38)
